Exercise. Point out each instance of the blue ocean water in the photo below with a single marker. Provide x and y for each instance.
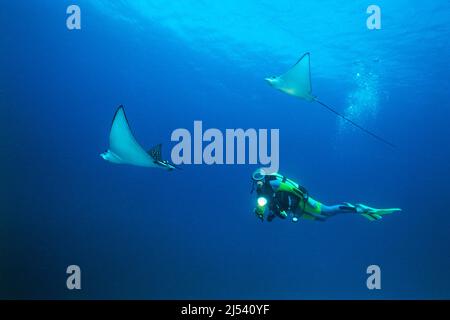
(151, 234)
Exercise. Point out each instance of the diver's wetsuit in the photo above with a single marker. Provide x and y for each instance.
(284, 195)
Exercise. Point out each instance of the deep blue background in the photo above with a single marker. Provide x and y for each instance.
(140, 233)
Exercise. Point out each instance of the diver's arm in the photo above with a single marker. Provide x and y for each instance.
(259, 213)
(260, 210)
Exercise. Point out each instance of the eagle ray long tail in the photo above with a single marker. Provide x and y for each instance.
(356, 125)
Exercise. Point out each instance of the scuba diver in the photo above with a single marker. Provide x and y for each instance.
(282, 196)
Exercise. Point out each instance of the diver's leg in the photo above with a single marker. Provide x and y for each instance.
(337, 209)
(370, 213)
(322, 212)
(312, 209)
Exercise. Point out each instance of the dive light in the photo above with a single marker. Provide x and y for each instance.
(262, 201)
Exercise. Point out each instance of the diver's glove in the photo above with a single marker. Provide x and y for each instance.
(259, 211)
